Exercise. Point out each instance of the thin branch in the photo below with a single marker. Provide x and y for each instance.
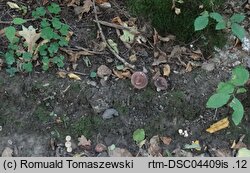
(105, 41)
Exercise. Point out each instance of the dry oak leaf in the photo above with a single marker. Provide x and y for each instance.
(30, 36)
(83, 141)
(222, 124)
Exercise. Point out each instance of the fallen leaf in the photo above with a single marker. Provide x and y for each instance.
(243, 152)
(75, 55)
(160, 60)
(127, 36)
(154, 148)
(13, 5)
(132, 58)
(7, 152)
(39, 45)
(117, 20)
(196, 55)
(72, 3)
(222, 124)
(189, 67)
(194, 145)
(122, 74)
(113, 45)
(166, 70)
(166, 140)
(119, 152)
(74, 76)
(87, 4)
(62, 74)
(30, 36)
(83, 141)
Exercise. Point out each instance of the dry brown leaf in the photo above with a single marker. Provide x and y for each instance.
(39, 45)
(83, 141)
(75, 55)
(119, 152)
(222, 124)
(196, 55)
(117, 20)
(154, 148)
(30, 36)
(166, 70)
(72, 3)
(189, 67)
(166, 140)
(62, 74)
(132, 58)
(122, 74)
(74, 76)
(87, 4)
(160, 60)
(7, 152)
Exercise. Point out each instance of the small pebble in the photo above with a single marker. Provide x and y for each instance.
(110, 113)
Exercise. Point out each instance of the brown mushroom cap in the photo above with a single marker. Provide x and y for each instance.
(161, 83)
(139, 80)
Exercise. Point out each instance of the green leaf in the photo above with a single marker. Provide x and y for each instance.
(39, 12)
(47, 33)
(10, 33)
(92, 74)
(27, 56)
(27, 67)
(217, 100)
(63, 42)
(200, 23)
(56, 23)
(9, 58)
(226, 88)
(238, 111)
(44, 23)
(64, 29)
(58, 60)
(45, 61)
(42, 50)
(139, 135)
(120, 67)
(238, 31)
(127, 37)
(217, 17)
(53, 48)
(243, 152)
(237, 18)
(19, 21)
(240, 76)
(241, 90)
(220, 25)
(54, 8)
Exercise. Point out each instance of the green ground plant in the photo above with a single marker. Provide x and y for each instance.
(233, 23)
(34, 47)
(226, 94)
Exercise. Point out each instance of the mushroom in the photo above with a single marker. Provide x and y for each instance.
(161, 83)
(139, 80)
(103, 71)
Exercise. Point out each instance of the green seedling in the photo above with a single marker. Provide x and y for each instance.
(226, 94)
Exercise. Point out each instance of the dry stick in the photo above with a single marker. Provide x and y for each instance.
(90, 51)
(113, 25)
(105, 41)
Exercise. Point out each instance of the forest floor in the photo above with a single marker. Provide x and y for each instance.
(38, 110)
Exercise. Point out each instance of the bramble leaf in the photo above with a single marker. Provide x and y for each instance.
(238, 111)
(218, 100)
(201, 22)
(237, 18)
(139, 135)
(10, 33)
(240, 76)
(238, 31)
(19, 21)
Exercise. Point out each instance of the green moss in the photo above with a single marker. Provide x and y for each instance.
(86, 126)
(164, 19)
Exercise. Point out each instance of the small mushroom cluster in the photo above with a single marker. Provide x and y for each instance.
(140, 80)
(68, 144)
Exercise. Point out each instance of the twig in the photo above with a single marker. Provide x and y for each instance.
(105, 41)
(113, 25)
(90, 51)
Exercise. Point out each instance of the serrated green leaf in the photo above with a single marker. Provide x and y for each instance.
(45, 23)
(217, 17)
(53, 48)
(27, 56)
(238, 111)
(226, 88)
(9, 58)
(63, 42)
(241, 90)
(27, 67)
(240, 76)
(47, 33)
(218, 100)
(200, 23)
(64, 29)
(11, 71)
(43, 50)
(56, 23)
(220, 25)
(58, 60)
(139, 135)
(39, 12)
(238, 31)
(243, 152)
(237, 18)
(18, 21)
(10, 33)
(54, 8)
(45, 61)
